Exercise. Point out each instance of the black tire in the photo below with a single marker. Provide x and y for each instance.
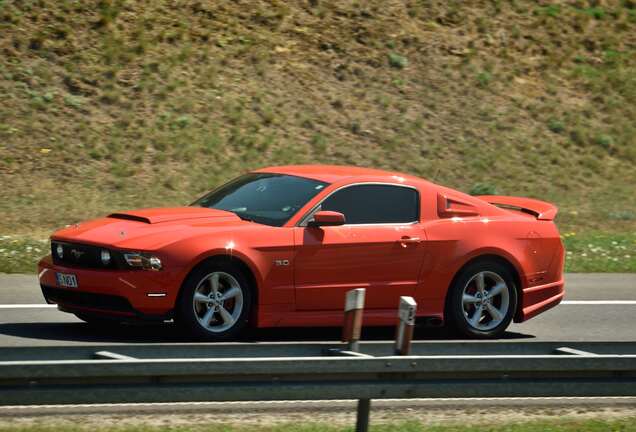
(98, 321)
(189, 315)
(465, 314)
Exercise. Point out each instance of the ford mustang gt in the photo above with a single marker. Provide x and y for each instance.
(281, 246)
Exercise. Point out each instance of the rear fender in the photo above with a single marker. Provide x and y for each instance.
(499, 254)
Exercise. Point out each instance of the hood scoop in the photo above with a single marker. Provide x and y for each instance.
(158, 215)
(127, 216)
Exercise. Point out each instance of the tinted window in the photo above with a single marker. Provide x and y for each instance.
(270, 199)
(375, 204)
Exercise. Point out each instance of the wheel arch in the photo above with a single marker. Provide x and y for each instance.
(514, 271)
(221, 258)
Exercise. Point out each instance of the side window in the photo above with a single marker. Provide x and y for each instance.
(363, 204)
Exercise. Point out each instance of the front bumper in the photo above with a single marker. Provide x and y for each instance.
(124, 293)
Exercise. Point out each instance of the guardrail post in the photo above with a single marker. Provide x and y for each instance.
(362, 419)
(404, 333)
(354, 306)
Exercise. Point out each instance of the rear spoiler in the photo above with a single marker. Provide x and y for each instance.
(540, 209)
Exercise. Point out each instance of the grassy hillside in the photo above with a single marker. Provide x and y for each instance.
(115, 104)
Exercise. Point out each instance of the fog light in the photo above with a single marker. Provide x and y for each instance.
(105, 255)
(60, 251)
(155, 263)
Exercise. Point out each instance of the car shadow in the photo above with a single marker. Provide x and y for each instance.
(80, 332)
(368, 333)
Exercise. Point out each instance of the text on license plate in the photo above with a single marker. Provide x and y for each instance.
(66, 280)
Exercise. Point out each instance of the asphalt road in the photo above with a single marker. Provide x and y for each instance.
(598, 307)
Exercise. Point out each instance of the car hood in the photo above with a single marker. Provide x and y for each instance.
(148, 229)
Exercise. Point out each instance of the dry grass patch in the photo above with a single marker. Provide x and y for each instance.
(115, 104)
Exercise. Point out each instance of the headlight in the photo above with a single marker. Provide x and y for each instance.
(142, 260)
(105, 256)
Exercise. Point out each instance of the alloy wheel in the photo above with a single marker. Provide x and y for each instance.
(218, 302)
(485, 300)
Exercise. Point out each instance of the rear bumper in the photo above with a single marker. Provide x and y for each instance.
(537, 299)
(133, 294)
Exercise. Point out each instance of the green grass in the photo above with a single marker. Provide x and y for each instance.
(623, 425)
(600, 252)
(133, 104)
(20, 255)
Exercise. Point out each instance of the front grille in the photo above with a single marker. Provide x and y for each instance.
(88, 300)
(83, 256)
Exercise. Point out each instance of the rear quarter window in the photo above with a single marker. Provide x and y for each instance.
(375, 204)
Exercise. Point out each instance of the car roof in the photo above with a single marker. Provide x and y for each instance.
(336, 173)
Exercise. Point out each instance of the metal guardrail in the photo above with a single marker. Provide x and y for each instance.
(306, 349)
(574, 373)
(147, 373)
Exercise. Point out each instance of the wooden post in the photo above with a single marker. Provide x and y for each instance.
(404, 333)
(354, 306)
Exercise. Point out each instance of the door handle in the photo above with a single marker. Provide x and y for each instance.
(405, 241)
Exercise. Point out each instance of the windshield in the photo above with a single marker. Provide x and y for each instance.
(270, 199)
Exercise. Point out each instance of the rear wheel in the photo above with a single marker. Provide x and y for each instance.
(215, 302)
(483, 300)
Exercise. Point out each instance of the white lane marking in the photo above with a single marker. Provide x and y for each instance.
(27, 306)
(599, 302)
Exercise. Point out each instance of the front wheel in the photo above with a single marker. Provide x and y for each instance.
(483, 300)
(215, 302)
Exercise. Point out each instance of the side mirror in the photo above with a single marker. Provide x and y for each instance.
(326, 218)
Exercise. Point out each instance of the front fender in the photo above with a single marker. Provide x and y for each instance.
(229, 253)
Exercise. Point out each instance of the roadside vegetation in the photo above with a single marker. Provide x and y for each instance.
(114, 104)
(600, 252)
(626, 425)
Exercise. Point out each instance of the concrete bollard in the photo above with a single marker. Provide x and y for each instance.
(404, 333)
(354, 306)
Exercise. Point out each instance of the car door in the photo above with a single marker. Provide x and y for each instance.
(378, 248)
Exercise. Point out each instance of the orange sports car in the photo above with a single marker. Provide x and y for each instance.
(281, 246)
